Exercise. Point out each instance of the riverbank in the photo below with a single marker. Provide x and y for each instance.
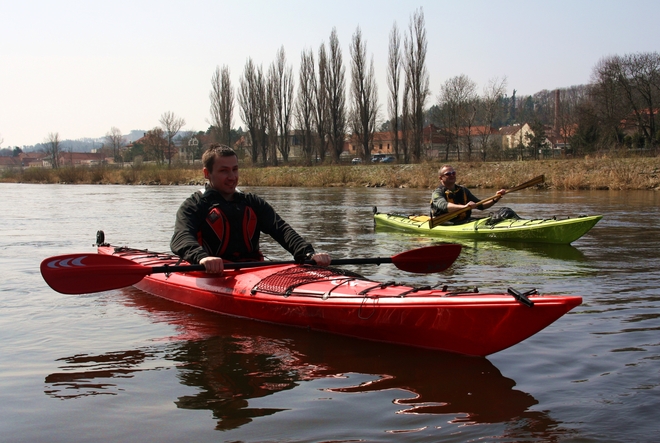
(641, 173)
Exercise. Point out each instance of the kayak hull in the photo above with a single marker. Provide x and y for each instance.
(344, 303)
(564, 231)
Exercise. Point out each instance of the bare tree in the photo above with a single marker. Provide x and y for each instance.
(322, 104)
(116, 141)
(457, 99)
(446, 120)
(305, 109)
(271, 123)
(222, 104)
(249, 103)
(364, 95)
(156, 145)
(393, 83)
(53, 147)
(607, 95)
(282, 81)
(587, 134)
(469, 117)
(171, 125)
(337, 97)
(261, 93)
(417, 76)
(405, 122)
(571, 100)
(640, 80)
(449, 103)
(492, 108)
(627, 89)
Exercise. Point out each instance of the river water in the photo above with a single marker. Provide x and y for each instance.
(124, 366)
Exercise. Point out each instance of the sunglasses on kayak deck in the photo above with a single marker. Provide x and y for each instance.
(449, 173)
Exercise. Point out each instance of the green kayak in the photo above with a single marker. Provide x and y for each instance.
(557, 231)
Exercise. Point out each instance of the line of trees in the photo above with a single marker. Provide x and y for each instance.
(616, 110)
(319, 110)
(624, 93)
(157, 144)
(588, 118)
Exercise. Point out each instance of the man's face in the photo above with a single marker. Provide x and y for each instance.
(448, 177)
(224, 177)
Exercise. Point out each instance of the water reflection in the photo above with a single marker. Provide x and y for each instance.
(540, 250)
(231, 361)
(84, 375)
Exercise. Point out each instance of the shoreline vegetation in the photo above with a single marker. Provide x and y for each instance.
(602, 173)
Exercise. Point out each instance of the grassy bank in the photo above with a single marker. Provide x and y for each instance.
(589, 173)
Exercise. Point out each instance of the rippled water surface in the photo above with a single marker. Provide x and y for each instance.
(125, 366)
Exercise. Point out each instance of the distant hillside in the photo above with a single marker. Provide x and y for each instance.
(84, 144)
(134, 135)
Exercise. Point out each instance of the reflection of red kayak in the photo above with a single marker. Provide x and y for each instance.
(232, 362)
(341, 302)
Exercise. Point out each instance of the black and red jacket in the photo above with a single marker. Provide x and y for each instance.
(208, 225)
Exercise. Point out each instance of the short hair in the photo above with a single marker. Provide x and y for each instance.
(208, 158)
(444, 167)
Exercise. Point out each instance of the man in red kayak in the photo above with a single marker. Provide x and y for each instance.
(450, 197)
(223, 223)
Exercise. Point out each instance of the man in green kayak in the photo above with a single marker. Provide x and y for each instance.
(223, 223)
(450, 197)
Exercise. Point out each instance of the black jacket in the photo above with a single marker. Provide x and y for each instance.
(191, 224)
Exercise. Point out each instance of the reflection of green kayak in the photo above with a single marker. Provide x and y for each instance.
(552, 230)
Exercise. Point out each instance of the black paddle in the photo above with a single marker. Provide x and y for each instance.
(86, 273)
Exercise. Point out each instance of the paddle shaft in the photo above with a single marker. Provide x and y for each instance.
(435, 221)
(259, 264)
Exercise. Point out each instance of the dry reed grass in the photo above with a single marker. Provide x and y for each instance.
(588, 173)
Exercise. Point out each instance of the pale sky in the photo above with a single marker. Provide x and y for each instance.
(79, 68)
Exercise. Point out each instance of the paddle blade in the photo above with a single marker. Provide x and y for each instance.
(428, 259)
(86, 273)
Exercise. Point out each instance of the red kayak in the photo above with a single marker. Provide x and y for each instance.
(324, 299)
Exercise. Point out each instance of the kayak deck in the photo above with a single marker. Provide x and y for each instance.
(342, 302)
(557, 231)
